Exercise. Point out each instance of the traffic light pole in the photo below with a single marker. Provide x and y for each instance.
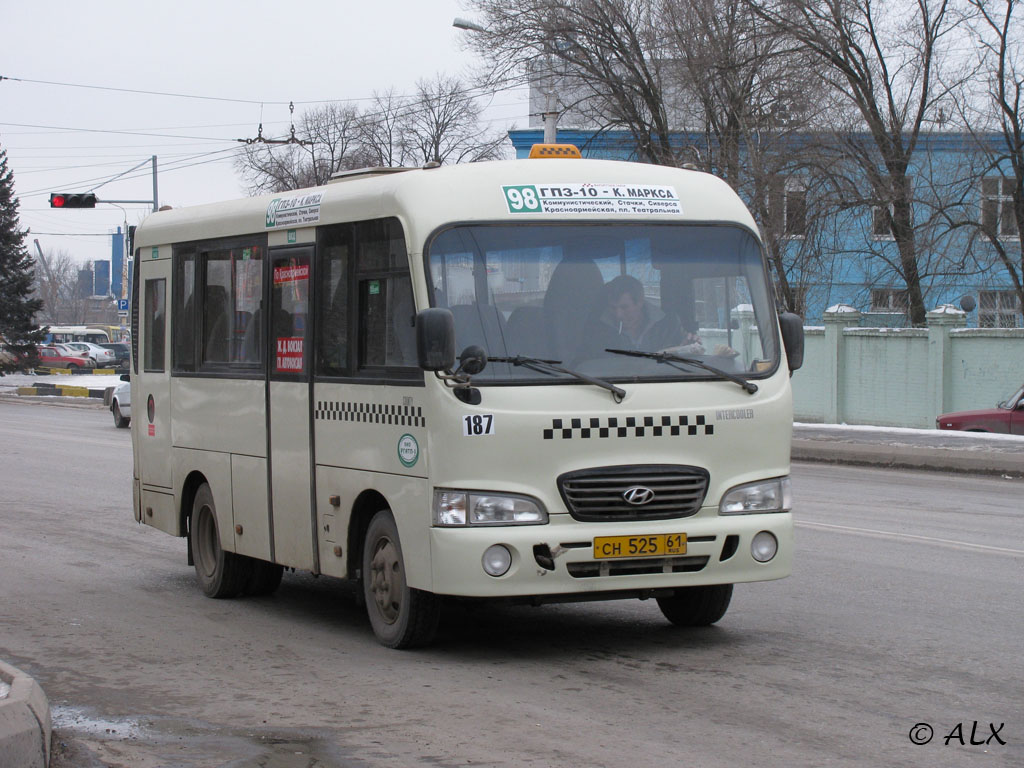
(89, 199)
(156, 199)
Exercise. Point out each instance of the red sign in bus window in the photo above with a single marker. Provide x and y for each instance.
(289, 354)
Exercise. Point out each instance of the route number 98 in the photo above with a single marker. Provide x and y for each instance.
(522, 199)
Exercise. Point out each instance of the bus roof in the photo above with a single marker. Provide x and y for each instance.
(510, 191)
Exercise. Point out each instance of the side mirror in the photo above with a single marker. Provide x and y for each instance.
(435, 339)
(792, 327)
(126, 377)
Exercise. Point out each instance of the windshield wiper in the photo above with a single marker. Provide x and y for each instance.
(668, 357)
(551, 366)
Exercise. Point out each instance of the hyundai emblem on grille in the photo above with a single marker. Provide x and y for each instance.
(637, 495)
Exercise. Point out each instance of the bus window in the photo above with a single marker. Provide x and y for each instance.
(333, 266)
(154, 320)
(183, 313)
(289, 304)
(365, 263)
(231, 281)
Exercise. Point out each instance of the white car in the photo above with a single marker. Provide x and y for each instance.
(121, 405)
(103, 357)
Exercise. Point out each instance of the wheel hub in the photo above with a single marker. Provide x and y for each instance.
(386, 580)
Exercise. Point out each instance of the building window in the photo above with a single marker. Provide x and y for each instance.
(795, 208)
(998, 309)
(787, 205)
(997, 206)
(889, 300)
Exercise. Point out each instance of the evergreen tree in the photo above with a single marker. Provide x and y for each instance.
(18, 331)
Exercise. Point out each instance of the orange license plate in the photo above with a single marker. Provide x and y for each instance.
(655, 545)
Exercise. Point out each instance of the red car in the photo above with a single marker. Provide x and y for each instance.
(60, 356)
(1007, 418)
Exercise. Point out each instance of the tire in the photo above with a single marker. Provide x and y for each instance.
(696, 606)
(264, 578)
(401, 617)
(220, 574)
(72, 367)
(121, 422)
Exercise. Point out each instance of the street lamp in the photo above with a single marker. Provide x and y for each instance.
(550, 114)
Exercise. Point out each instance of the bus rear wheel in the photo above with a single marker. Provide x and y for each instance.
(220, 574)
(697, 606)
(401, 617)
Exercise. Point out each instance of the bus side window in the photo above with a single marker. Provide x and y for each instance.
(332, 348)
(183, 312)
(154, 317)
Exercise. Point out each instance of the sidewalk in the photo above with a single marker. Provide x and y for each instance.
(928, 449)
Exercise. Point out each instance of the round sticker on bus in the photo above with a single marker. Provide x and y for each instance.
(408, 450)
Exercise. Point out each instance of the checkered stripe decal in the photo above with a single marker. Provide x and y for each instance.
(371, 413)
(628, 426)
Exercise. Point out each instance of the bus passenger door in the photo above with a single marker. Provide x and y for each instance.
(151, 417)
(288, 408)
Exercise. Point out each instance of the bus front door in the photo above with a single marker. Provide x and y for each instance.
(288, 393)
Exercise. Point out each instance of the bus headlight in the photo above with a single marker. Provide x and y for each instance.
(455, 508)
(773, 495)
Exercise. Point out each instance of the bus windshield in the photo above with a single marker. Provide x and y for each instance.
(568, 294)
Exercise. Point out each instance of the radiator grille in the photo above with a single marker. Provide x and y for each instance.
(599, 495)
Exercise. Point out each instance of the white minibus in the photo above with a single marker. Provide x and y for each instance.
(542, 380)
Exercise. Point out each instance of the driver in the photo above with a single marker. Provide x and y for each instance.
(643, 325)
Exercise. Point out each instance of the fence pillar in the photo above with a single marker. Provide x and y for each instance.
(837, 319)
(744, 315)
(941, 321)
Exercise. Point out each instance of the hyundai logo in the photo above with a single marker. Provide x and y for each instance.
(638, 495)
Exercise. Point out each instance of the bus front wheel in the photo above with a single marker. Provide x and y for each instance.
(697, 606)
(220, 574)
(401, 617)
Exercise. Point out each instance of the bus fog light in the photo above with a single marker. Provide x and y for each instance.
(764, 546)
(497, 560)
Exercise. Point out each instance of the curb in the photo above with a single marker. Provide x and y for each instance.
(25, 726)
(918, 457)
(63, 390)
(80, 371)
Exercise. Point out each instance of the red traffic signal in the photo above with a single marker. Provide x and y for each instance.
(72, 200)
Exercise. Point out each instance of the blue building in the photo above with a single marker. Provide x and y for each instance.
(101, 278)
(836, 244)
(117, 265)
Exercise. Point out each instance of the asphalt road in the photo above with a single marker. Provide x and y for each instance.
(904, 609)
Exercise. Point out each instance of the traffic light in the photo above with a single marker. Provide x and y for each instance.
(72, 200)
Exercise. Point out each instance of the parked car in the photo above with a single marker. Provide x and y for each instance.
(1007, 417)
(121, 352)
(104, 358)
(61, 356)
(121, 405)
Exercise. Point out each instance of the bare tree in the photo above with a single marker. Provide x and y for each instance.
(57, 286)
(751, 95)
(608, 53)
(882, 61)
(998, 126)
(443, 125)
(327, 135)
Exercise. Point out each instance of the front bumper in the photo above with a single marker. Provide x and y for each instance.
(456, 556)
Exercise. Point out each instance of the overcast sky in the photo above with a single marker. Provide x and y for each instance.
(248, 58)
